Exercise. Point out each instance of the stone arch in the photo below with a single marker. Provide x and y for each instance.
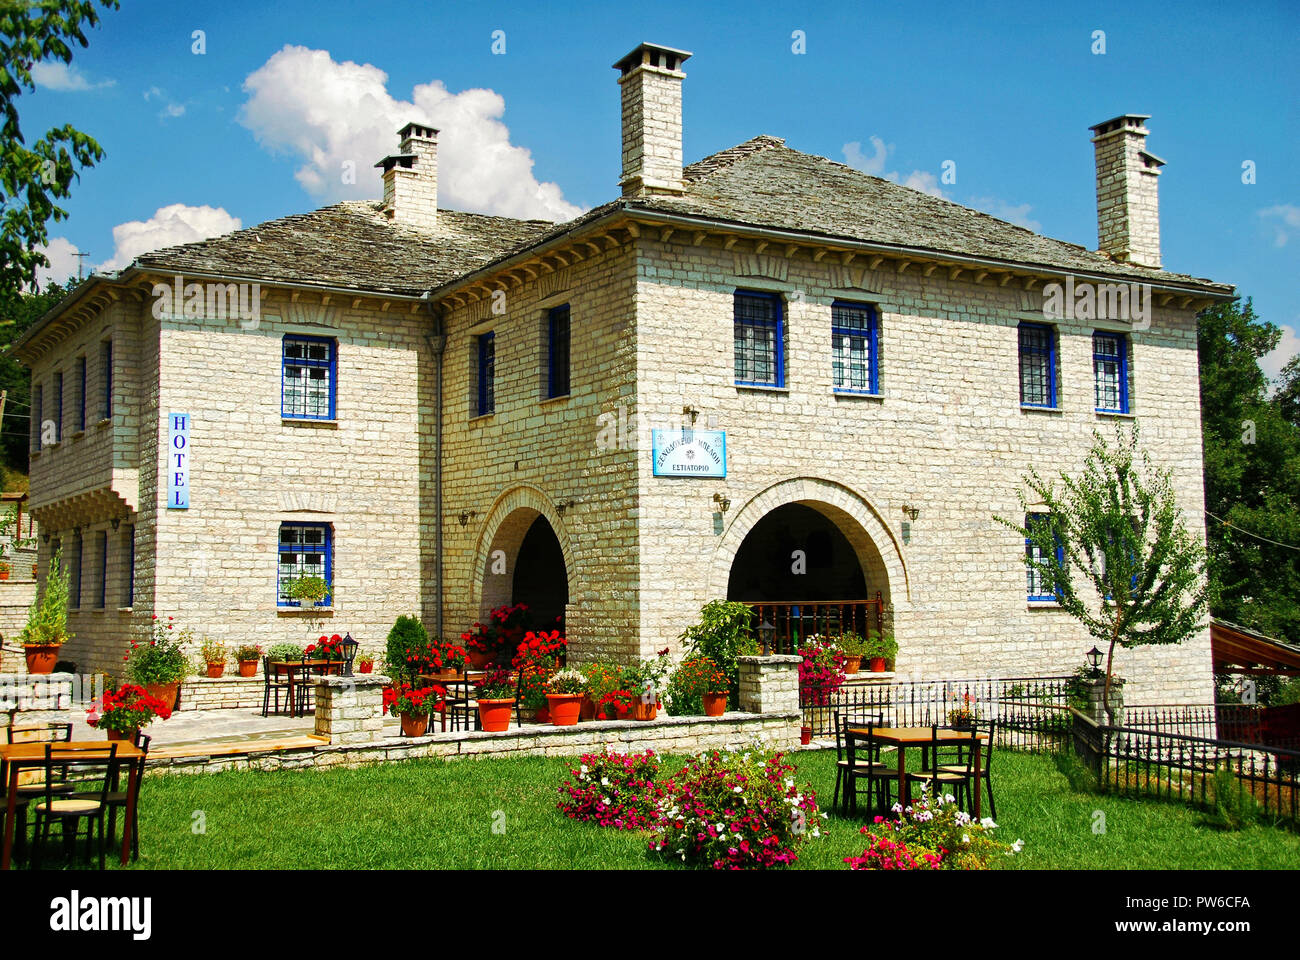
(877, 548)
(509, 519)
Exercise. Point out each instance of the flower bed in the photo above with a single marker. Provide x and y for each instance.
(614, 790)
(930, 835)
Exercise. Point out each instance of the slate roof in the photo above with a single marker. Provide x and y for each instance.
(351, 245)
(759, 183)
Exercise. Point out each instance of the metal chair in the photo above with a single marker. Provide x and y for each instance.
(90, 764)
(956, 773)
(272, 682)
(859, 758)
(116, 798)
(986, 762)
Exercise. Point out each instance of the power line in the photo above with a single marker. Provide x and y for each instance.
(1275, 543)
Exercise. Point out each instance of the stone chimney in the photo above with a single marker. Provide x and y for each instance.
(411, 178)
(651, 78)
(1128, 209)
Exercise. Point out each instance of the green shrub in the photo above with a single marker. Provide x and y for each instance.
(724, 634)
(690, 682)
(408, 645)
(1234, 806)
(284, 651)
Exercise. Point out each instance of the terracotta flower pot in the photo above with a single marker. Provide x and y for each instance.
(248, 668)
(42, 658)
(215, 670)
(852, 664)
(166, 692)
(877, 664)
(715, 704)
(4, 573)
(643, 711)
(564, 708)
(494, 715)
(120, 735)
(805, 735)
(413, 726)
(479, 660)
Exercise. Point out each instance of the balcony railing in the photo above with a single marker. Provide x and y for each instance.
(794, 620)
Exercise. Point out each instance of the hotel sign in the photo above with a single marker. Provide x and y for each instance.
(689, 453)
(178, 461)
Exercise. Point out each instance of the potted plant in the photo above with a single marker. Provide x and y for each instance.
(646, 679)
(881, 649)
(821, 671)
(285, 652)
(964, 712)
(366, 662)
(615, 705)
(602, 678)
(161, 664)
(5, 569)
(329, 649)
(409, 651)
(247, 655)
(413, 705)
(564, 692)
(214, 657)
(309, 590)
(724, 634)
(47, 621)
(855, 648)
(123, 712)
(496, 695)
(698, 686)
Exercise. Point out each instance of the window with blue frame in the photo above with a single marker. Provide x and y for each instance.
(854, 339)
(74, 573)
(485, 400)
(1110, 372)
(760, 339)
(557, 352)
(1037, 365)
(129, 537)
(101, 597)
(309, 371)
(37, 412)
(305, 550)
(1038, 587)
(81, 393)
(106, 376)
(58, 406)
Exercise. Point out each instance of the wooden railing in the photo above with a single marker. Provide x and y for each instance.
(793, 620)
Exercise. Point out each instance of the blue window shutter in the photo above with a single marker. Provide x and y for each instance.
(308, 378)
(1037, 365)
(854, 334)
(1110, 372)
(759, 339)
(558, 351)
(486, 383)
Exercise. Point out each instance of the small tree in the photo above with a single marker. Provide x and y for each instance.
(47, 621)
(1117, 526)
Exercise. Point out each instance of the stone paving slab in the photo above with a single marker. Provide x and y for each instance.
(199, 727)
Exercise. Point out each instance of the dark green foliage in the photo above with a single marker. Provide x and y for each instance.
(407, 641)
(1252, 473)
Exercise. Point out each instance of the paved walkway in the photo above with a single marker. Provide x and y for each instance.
(195, 727)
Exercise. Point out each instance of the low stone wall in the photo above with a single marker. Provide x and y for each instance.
(222, 693)
(664, 735)
(40, 698)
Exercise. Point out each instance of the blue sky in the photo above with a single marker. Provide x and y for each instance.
(284, 97)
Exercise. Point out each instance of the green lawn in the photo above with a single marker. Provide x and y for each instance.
(500, 813)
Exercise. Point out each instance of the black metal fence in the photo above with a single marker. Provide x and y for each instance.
(1153, 761)
(1032, 712)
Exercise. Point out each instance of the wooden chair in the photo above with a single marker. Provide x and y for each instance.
(986, 762)
(272, 682)
(948, 767)
(39, 733)
(116, 799)
(83, 765)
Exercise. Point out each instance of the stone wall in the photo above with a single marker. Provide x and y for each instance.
(222, 693)
(947, 435)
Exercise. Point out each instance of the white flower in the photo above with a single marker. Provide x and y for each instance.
(987, 823)
(737, 789)
(722, 828)
(604, 781)
(583, 769)
(965, 838)
(1017, 846)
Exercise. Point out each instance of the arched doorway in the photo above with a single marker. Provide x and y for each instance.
(796, 553)
(540, 578)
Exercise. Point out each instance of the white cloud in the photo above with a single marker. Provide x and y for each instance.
(170, 225)
(1289, 215)
(1018, 214)
(303, 103)
(1273, 361)
(62, 254)
(170, 107)
(55, 75)
(921, 180)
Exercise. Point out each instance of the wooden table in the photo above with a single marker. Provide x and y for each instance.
(287, 668)
(15, 757)
(904, 737)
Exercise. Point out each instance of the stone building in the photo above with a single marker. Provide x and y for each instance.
(763, 376)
